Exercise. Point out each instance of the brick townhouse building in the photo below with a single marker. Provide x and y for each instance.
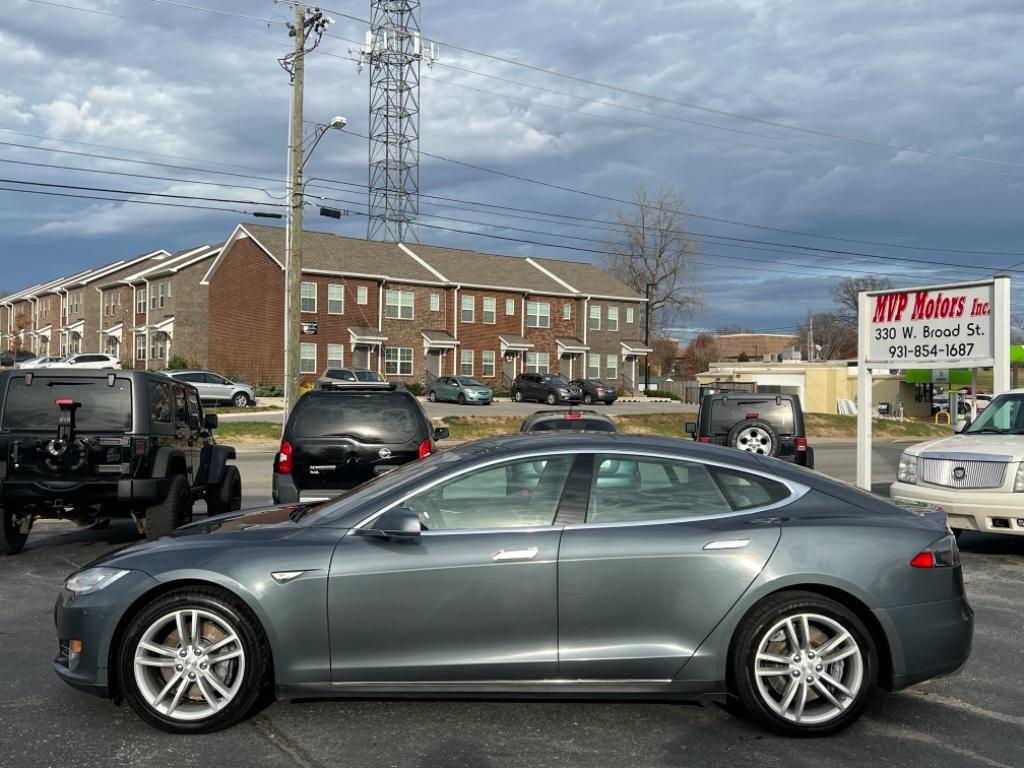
(410, 311)
(415, 311)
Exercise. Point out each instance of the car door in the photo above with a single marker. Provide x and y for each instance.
(217, 387)
(665, 550)
(473, 597)
(444, 388)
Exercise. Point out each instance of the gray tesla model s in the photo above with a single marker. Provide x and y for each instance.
(555, 565)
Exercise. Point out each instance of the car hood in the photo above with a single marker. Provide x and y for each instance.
(1003, 446)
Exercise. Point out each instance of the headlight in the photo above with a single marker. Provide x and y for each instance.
(93, 580)
(1018, 481)
(907, 470)
(563, 392)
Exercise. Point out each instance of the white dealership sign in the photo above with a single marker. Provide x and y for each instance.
(966, 325)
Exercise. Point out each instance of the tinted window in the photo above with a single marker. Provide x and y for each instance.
(366, 418)
(518, 494)
(104, 408)
(555, 380)
(180, 411)
(468, 382)
(195, 378)
(726, 412)
(195, 411)
(577, 425)
(748, 491)
(339, 373)
(369, 376)
(93, 359)
(626, 489)
(159, 402)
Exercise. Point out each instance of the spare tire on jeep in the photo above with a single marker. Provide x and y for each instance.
(755, 436)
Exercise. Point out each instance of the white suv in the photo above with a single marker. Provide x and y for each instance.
(85, 360)
(977, 476)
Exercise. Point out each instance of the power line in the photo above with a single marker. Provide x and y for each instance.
(168, 195)
(123, 200)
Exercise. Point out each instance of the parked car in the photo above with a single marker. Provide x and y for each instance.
(336, 439)
(346, 376)
(39, 362)
(572, 420)
(9, 357)
(977, 476)
(550, 388)
(585, 565)
(460, 389)
(214, 388)
(85, 360)
(596, 391)
(762, 423)
(86, 444)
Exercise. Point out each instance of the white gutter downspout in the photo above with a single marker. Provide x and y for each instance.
(455, 326)
(145, 335)
(380, 325)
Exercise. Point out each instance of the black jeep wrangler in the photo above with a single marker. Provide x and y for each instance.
(88, 445)
(762, 423)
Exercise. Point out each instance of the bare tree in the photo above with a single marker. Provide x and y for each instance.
(699, 355)
(833, 333)
(666, 351)
(844, 293)
(727, 329)
(653, 247)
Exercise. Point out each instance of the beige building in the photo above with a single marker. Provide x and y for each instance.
(821, 386)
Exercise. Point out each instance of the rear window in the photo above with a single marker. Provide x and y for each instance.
(369, 376)
(366, 418)
(33, 408)
(726, 412)
(577, 425)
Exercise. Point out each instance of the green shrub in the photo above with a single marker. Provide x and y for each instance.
(661, 393)
(178, 363)
(499, 390)
(269, 391)
(416, 388)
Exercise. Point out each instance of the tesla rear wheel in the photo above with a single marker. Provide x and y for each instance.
(193, 661)
(804, 665)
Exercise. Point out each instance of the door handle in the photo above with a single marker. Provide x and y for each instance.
(505, 555)
(726, 544)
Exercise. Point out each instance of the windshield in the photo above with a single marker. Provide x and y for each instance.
(468, 382)
(1004, 416)
(556, 380)
(33, 408)
(380, 418)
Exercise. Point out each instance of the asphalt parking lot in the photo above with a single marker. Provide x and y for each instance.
(975, 718)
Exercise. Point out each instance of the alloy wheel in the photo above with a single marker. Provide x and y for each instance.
(809, 668)
(754, 440)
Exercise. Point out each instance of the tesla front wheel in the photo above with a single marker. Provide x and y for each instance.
(804, 665)
(193, 662)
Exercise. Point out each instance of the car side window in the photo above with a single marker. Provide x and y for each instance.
(522, 493)
(159, 402)
(631, 489)
(749, 491)
(180, 409)
(195, 410)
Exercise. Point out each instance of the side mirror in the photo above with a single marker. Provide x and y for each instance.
(70, 362)
(400, 522)
(691, 428)
(211, 420)
(440, 433)
(962, 425)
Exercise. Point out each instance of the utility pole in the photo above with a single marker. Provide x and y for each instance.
(647, 338)
(810, 340)
(293, 237)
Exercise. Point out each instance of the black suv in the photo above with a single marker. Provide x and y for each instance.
(336, 439)
(571, 420)
(90, 444)
(766, 424)
(547, 388)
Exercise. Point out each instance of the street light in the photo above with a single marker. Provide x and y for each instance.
(293, 256)
(647, 337)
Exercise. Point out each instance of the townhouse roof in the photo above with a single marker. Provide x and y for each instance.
(471, 268)
(169, 265)
(588, 279)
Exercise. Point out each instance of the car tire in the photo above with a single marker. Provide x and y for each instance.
(242, 678)
(432, 396)
(241, 400)
(12, 540)
(226, 496)
(588, 399)
(462, 399)
(836, 692)
(551, 399)
(173, 512)
(754, 436)
(517, 395)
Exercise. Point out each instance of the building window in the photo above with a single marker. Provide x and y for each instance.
(595, 318)
(468, 314)
(538, 315)
(140, 301)
(567, 311)
(335, 299)
(398, 305)
(398, 361)
(487, 363)
(158, 347)
(165, 294)
(613, 318)
(307, 358)
(140, 347)
(510, 307)
(435, 302)
(362, 295)
(593, 366)
(613, 367)
(307, 300)
(629, 314)
(537, 362)
(335, 355)
(490, 311)
(466, 362)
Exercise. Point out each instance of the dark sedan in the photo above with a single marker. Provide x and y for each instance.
(583, 565)
(596, 391)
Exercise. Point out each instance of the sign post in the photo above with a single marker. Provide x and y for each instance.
(965, 325)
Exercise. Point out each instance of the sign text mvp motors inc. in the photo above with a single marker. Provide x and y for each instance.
(951, 325)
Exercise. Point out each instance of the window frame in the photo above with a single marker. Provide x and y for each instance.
(400, 304)
(537, 315)
(435, 302)
(567, 311)
(341, 291)
(307, 344)
(467, 309)
(493, 365)
(362, 295)
(493, 311)
(594, 321)
(510, 307)
(612, 320)
(463, 353)
(547, 364)
(630, 316)
(341, 360)
(608, 369)
(303, 298)
(398, 361)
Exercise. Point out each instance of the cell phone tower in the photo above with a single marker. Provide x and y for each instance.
(393, 51)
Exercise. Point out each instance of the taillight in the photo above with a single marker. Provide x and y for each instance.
(944, 553)
(573, 415)
(425, 449)
(801, 445)
(284, 458)
(704, 439)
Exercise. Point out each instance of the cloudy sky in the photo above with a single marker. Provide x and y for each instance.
(198, 99)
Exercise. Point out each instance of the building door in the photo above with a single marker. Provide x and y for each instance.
(508, 367)
(361, 357)
(565, 366)
(435, 358)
